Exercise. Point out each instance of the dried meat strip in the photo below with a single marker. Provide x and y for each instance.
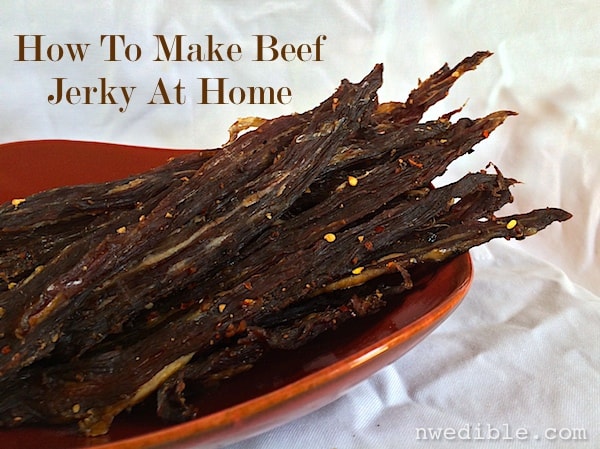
(260, 263)
(429, 92)
(30, 241)
(282, 235)
(70, 389)
(275, 189)
(294, 328)
(66, 206)
(340, 208)
(440, 197)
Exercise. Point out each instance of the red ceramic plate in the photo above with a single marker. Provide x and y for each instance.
(284, 386)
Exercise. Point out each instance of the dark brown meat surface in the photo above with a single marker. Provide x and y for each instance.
(175, 279)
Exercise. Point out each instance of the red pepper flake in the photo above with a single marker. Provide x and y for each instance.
(186, 305)
(379, 229)
(485, 133)
(334, 104)
(369, 245)
(152, 316)
(6, 350)
(248, 302)
(414, 163)
(248, 285)
(230, 331)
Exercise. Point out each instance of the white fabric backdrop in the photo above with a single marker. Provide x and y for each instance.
(522, 351)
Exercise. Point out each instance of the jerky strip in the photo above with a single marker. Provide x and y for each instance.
(66, 204)
(429, 92)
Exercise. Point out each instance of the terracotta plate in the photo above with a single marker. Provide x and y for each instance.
(284, 386)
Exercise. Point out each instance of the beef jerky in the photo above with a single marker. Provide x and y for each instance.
(379, 186)
(67, 259)
(136, 180)
(436, 200)
(66, 205)
(222, 331)
(293, 329)
(72, 390)
(429, 92)
(275, 188)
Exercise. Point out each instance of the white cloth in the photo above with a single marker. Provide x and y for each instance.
(520, 356)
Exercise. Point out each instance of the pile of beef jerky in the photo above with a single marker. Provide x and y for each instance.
(190, 272)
